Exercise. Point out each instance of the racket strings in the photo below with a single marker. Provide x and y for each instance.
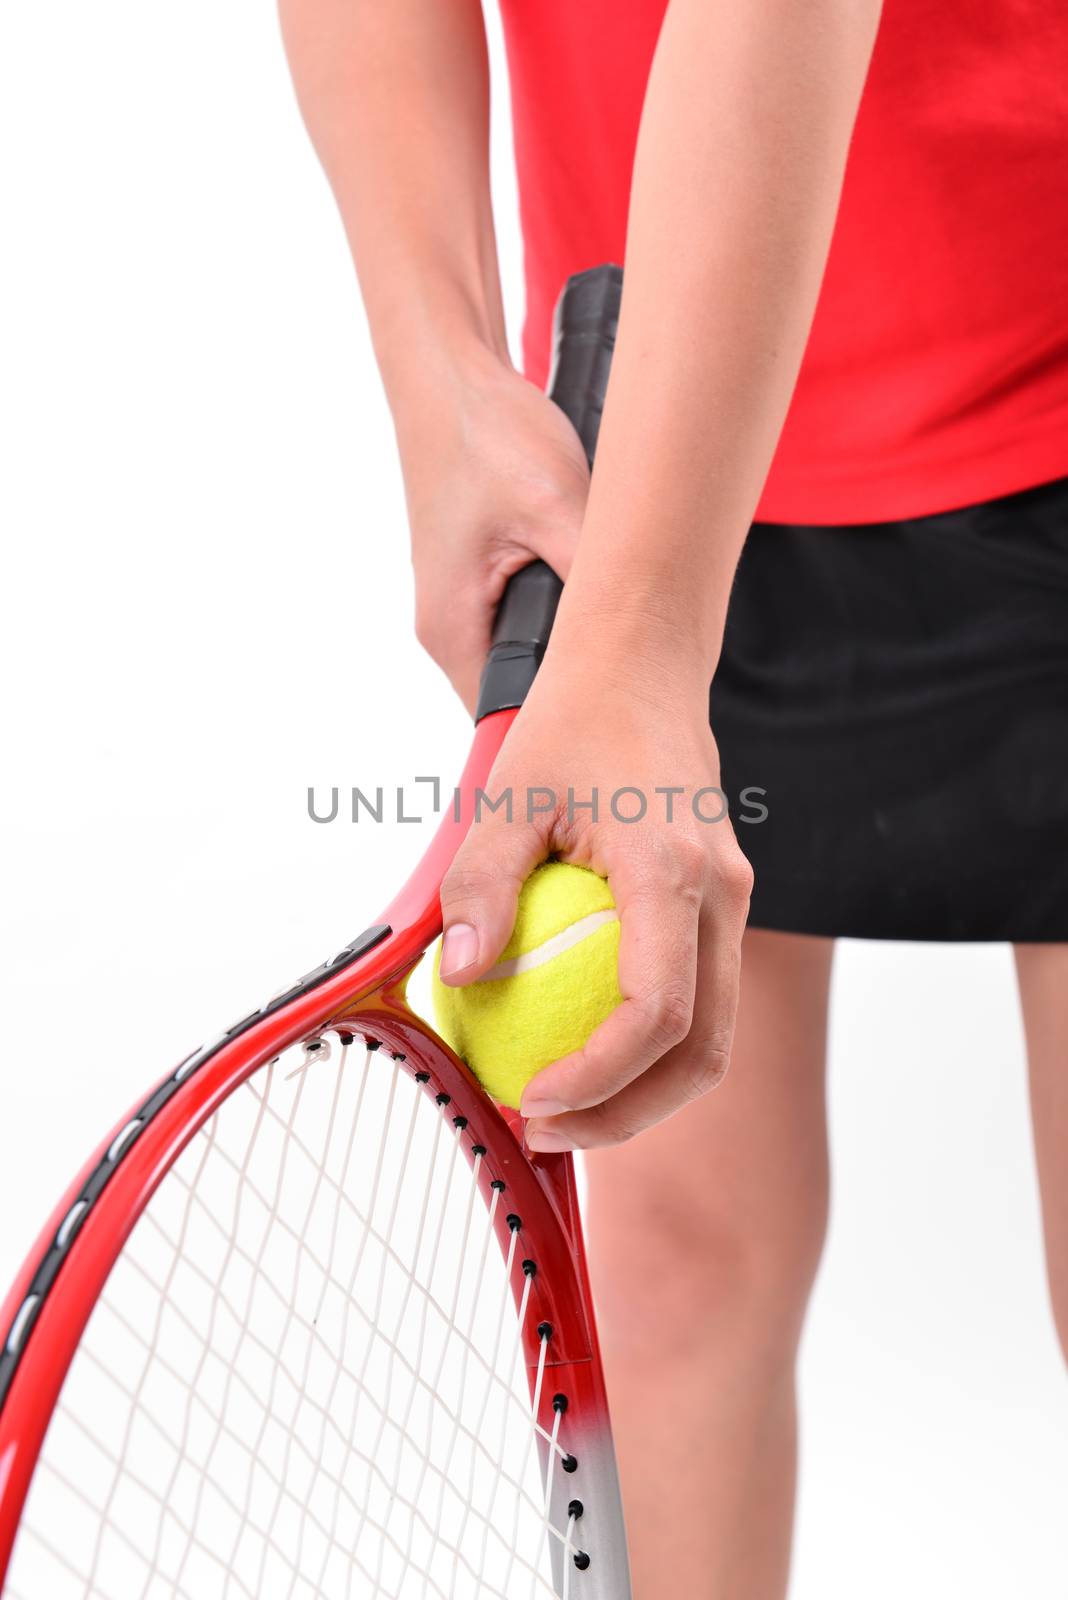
(306, 1376)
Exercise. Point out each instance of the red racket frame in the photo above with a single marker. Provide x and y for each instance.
(365, 997)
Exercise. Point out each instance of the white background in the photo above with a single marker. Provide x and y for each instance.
(207, 608)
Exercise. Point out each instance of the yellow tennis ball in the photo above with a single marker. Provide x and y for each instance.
(556, 980)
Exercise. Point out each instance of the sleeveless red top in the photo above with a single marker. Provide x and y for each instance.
(936, 374)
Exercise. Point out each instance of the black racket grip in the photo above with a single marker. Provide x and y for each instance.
(584, 336)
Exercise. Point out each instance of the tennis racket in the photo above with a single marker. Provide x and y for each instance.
(312, 1322)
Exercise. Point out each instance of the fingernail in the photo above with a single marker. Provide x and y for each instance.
(543, 1108)
(459, 948)
(548, 1142)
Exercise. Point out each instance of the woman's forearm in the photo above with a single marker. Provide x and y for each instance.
(743, 141)
(395, 96)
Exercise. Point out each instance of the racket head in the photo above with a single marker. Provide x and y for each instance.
(355, 999)
(530, 1204)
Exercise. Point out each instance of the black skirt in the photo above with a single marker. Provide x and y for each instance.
(899, 691)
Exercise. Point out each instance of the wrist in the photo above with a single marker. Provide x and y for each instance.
(441, 390)
(611, 667)
(630, 630)
(435, 349)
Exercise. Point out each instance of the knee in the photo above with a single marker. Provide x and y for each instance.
(690, 1264)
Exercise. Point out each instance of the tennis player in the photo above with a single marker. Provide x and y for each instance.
(843, 344)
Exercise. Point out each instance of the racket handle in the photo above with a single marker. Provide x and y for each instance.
(584, 336)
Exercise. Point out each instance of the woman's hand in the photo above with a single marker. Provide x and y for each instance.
(495, 477)
(679, 879)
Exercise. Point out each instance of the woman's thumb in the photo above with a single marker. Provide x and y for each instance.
(480, 893)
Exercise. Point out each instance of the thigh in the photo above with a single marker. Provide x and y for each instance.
(1042, 974)
(732, 1191)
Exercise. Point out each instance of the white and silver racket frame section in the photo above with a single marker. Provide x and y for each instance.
(535, 1208)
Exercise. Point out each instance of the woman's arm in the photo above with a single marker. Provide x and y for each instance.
(395, 96)
(741, 152)
(743, 142)
(739, 165)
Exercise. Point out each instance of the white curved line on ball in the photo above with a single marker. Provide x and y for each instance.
(565, 940)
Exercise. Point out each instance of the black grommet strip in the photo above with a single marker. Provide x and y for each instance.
(545, 1330)
(422, 1077)
(443, 1099)
(346, 1038)
(373, 1044)
(582, 1560)
(530, 1268)
(498, 1184)
(560, 1403)
(569, 1464)
(157, 1101)
(478, 1149)
(514, 1222)
(246, 1022)
(575, 1509)
(398, 1055)
(459, 1122)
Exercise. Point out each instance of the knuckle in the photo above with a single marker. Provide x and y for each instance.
(466, 883)
(423, 632)
(705, 1068)
(668, 1013)
(427, 629)
(690, 862)
(675, 865)
(612, 1125)
(558, 496)
(737, 879)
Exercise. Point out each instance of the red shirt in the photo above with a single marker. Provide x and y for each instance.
(936, 374)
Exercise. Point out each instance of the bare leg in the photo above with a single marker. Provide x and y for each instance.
(705, 1235)
(1042, 973)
